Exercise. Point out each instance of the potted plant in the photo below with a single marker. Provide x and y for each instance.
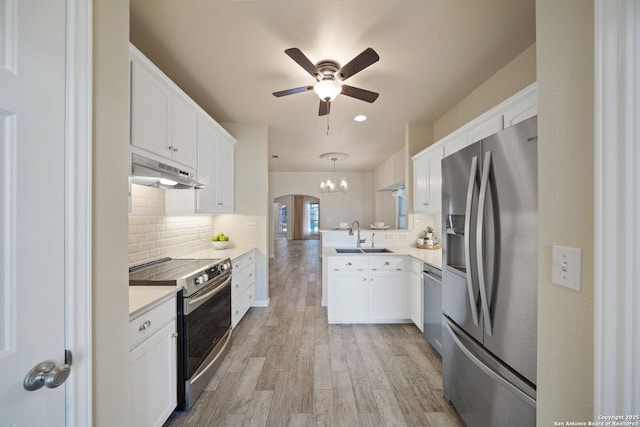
(429, 234)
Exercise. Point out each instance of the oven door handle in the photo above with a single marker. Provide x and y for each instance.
(209, 294)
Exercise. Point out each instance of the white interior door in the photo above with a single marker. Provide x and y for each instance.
(32, 206)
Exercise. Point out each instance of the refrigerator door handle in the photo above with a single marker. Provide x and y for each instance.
(473, 173)
(486, 369)
(482, 200)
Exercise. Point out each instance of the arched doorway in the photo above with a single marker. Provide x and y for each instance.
(296, 217)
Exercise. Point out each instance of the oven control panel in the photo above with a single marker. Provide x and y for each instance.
(211, 273)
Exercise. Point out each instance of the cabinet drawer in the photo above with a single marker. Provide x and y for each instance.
(387, 263)
(243, 261)
(349, 263)
(241, 281)
(241, 305)
(151, 321)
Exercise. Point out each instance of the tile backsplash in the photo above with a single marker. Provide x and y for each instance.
(154, 235)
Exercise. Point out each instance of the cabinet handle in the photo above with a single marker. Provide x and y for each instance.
(250, 296)
(220, 204)
(174, 335)
(237, 286)
(425, 204)
(237, 312)
(349, 264)
(387, 263)
(175, 149)
(144, 326)
(250, 274)
(364, 278)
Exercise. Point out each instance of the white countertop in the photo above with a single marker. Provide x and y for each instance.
(143, 298)
(212, 253)
(432, 257)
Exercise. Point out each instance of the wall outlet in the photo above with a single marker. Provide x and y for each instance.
(251, 225)
(566, 269)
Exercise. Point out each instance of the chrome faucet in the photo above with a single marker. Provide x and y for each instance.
(358, 241)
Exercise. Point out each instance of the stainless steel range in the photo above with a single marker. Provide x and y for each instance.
(204, 316)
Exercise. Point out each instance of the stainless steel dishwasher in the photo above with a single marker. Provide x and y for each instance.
(432, 322)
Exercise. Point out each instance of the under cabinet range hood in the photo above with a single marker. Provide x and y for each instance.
(152, 173)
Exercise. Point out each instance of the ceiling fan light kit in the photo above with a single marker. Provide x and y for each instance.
(327, 90)
(330, 75)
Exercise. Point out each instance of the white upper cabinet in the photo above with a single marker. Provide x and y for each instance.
(427, 179)
(524, 109)
(215, 168)
(215, 172)
(150, 110)
(184, 131)
(163, 118)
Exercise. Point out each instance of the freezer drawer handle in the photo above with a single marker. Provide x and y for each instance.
(473, 173)
(484, 185)
(487, 370)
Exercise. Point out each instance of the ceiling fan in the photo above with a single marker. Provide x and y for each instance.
(330, 75)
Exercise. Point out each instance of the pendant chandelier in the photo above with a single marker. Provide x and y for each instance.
(331, 185)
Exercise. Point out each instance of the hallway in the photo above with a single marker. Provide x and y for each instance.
(288, 367)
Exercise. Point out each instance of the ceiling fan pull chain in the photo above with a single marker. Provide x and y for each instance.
(327, 125)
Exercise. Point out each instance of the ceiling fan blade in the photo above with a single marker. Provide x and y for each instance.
(362, 94)
(292, 91)
(325, 107)
(300, 58)
(357, 64)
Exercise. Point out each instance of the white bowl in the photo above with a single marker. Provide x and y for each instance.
(220, 245)
(343, 224)
(379, 224)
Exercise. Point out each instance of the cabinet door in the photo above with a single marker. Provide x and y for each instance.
(416, 300)
(184, 121)
(224, 162)
(150, 111)
(420, 183)
(388, 296)
(152, 370)
(348, 292)
(485, 129)
(522, 110)
(207, 197)
(434, 180)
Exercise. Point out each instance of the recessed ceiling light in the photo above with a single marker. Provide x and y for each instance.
(360, 118)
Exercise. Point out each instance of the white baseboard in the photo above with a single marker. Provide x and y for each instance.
(261, 303)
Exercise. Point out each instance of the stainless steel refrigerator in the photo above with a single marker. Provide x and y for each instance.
(490, 278)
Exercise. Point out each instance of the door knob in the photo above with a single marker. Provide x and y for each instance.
(46, 374)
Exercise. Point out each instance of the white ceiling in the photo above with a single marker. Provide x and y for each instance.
(228, 55)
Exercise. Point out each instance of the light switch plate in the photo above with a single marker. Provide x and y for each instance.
(251, 225)
(567, 267)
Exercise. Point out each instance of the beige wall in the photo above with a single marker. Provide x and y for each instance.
(513, 77)
(358, 203)
(110, 171)
(565, 168)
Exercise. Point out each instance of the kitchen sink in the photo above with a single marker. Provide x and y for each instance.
(362, 250)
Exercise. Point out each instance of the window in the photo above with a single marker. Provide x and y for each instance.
(401, 209)
(313, 217)
(282, 219)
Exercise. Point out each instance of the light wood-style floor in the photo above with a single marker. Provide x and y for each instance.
(288, 367)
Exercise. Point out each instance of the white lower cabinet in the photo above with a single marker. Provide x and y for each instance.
(153, 365)
(388, 296)
(368, 289)
(243, 286)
